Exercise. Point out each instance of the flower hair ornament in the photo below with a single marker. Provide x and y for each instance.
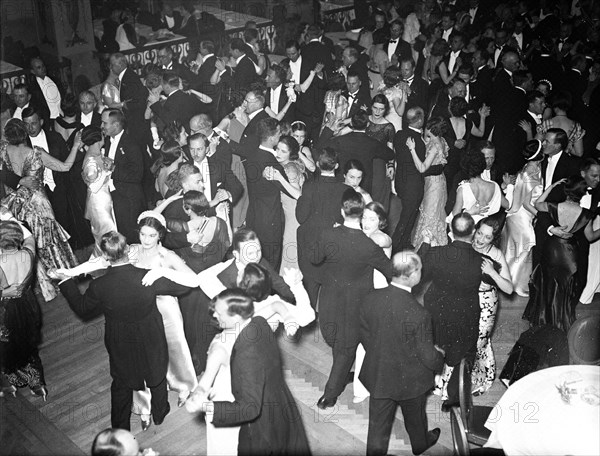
(154, 215)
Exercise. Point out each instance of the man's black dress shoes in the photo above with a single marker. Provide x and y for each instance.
(433, 437)
(325, 403)
(158, 421)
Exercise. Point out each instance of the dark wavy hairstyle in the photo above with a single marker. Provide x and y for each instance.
(292, 146)
(458, 107)
(380, 211)
(196, 202)
(238, 302)
(353, 204)
(256, 282)
(472, 163)
(495, 225)
(15, 132)
(91, 135)
(153, 223)
(437, 126)
(575, 188)
(381, 99)
(170, 152)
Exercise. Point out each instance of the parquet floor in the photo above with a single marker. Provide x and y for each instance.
(76, 368)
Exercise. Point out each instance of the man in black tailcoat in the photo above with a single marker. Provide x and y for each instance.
(126, 188)
(400, 359)
(134, 331)
(419, 89)
(408, 180)
(455, 271)
(348, 258)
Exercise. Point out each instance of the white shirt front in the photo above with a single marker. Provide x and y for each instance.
(170, 21)
(536, 117)
(552, 162)
(41, 141)
(86, 119)
(295, 67)
(519, 39)
(351, 99)
(473, 13)
(452, 61)
(121, 78)
(486, 175)
(402, 287)
(392, 45)
(205, 170)
(19, 112)
(586, 201)
(52, 96)
(446, 33)
(275, 95)
(112, 153)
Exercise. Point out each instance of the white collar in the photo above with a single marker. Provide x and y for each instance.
(176, 90)
(353, 95)
(207, 56)
(298, 61)
(239, 59)
(253, 115)
(40, 137)
(521, 88)
(42, 79)
(402, 287)
(575, 69)
(518, 34)
(534, 115)
(271, 151)
(121, 75)
(455, 53)
(318, 40)
(509, 72)
(278, 88)
(418, 130)
(117, 137)
(555, 157)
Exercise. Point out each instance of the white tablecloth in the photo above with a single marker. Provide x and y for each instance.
(532, 419)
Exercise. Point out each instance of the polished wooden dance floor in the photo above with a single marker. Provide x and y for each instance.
(76, 367)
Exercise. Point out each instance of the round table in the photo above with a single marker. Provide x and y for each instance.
(531, 418)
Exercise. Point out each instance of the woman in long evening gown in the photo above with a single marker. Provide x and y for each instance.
(20, 313)
(374, 220)
(518, 236)
(475, 195)
(431, 212)
(181, 376)
(32, 206)
(287, 154)
(557, 282)
(96, 172)
(383, 131)
(216, 379)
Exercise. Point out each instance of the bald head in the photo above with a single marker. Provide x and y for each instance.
(463, 226)
(117, 442)
(406, 268)
(511, 61)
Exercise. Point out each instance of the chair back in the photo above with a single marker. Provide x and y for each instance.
(459, 434)
(584, 341)
(464, 393)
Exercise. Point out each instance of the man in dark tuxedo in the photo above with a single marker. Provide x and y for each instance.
(254, 107)
(408, 180)
(126, 188)
(202, 80)
(532, 117)
(318, 208)
(219, 181)
(276, 97)
(263, 405)
(359, 146)
(166, 63)
(419, 89)
(134, 331)
(455, 271)
(22, 99)
(348, 258)
(521, 36)
(576, 83)
(457, 56)
(244, 74)
(353, 64)
(400, 359)
(56, 183)
(246, 248)
(251, 35)
(87, 114)
(167, 18)
(447, 23)
(44, 91)
(480, 87)
(265, 213)
(179, 107)
(381, 34)
(557, 164)
(358, 99)
(396, 48)
(455, 88)
(133, 96)
(309, 105)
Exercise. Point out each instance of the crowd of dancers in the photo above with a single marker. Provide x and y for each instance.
(391, 190)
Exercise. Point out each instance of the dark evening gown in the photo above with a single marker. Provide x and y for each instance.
(382, 186)
(559, 278)
(20, 330)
